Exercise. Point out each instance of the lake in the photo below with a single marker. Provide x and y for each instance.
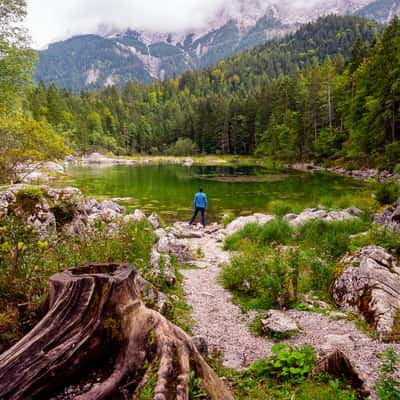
(169, 189)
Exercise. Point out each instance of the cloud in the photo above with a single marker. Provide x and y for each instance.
(50, 20)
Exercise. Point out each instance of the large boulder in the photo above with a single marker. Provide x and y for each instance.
(239, 223)
(370, 286)
(310, 214)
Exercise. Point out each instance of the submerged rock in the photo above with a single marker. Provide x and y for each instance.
(370, 286)
(239, 223)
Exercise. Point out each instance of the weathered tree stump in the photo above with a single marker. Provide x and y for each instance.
(96, 323)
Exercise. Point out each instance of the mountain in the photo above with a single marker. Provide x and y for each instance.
(95, 60)
(381, 10)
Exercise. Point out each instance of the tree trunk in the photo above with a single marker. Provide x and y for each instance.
(98, 335)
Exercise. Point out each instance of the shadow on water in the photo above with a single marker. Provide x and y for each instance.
(169, 189)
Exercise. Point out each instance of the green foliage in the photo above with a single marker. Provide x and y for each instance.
(275, 231)
(387, 387)
(277, 262)
(28, 197)
(387, 193)
(288, 99)
(279, 208)
(195, 390)
(182, 147)
(287, 364)
(27, 261)
(379, 236)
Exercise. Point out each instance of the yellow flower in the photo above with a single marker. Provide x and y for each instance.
(36, 268)
(20, 245)
(42, 244)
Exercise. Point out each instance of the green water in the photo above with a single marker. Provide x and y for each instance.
(169, 189)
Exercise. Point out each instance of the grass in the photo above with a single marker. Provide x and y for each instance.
(277, 262)
(26, 263)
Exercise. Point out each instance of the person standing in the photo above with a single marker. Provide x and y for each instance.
(200, 204)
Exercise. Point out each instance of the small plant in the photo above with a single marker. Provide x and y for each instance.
(199, 252)
(227, 218)
(387, 387)
(280, 208)
(195, 391)
(287, 364)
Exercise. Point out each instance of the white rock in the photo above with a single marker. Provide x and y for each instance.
(278, 322)
(154, 220)
(239, 223)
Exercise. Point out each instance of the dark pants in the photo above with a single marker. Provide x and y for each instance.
(203, 215)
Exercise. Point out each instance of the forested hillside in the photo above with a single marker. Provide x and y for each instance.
(327, 92)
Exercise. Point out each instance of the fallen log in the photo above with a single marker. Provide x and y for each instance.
(97, 326)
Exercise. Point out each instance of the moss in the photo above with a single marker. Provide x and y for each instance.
(28, 197)
(114, 329)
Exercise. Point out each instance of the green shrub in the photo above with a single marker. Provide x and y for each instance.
(387, 193)
(259, 280)
(379, 236)
(287, 364)
(280, 208)
(276, 231)
(387, 387)
(330, 238)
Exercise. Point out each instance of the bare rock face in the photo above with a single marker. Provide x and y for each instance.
(370, 286)
(310, 214)
(277, 323)
(239, 223)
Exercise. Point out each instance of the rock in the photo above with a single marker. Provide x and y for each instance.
(162, 267)
(107, 212)
(154, 220)
(153, 298)
(183, 230)
(310, 214)
(337, 342)
(201, 345)
(338, 365)
(160, 233)
(233, 360)
(137, 216)
(370, 286)
(170, 245)
(278, 323)
(54, 168)
(239, 223)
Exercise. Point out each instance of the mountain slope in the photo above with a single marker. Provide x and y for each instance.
(94, 61)
(381, 10)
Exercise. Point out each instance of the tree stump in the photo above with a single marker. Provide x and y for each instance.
(97, 325)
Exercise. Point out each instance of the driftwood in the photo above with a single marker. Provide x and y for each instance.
(97, 330)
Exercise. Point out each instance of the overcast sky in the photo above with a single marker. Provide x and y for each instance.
(51, 20)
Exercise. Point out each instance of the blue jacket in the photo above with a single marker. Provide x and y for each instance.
(200, 200)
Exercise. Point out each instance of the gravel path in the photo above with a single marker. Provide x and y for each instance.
(217, 319)
(226, 328)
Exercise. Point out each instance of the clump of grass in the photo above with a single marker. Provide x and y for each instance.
(279, 207)
(278, 261)
(276, 231)
(379, 236)
(387, 193)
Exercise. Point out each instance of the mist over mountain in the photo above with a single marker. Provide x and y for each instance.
(114, 56)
